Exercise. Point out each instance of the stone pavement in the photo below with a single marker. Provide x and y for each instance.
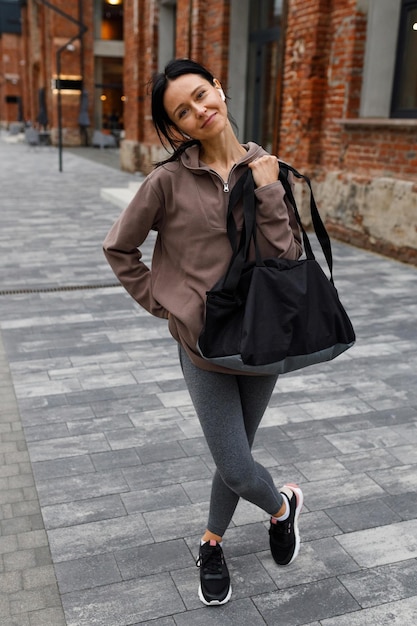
(104, 492)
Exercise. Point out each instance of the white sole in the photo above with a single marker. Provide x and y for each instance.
(300, 499)
(214, 602)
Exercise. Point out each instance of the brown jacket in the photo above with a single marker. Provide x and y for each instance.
(186, 203)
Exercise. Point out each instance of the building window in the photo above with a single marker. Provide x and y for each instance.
(379, 67)
(404, 98)
(111, 23)
(167, 32)
(109, 96)
(10, 21)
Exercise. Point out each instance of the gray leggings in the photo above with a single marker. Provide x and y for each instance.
(230, 409)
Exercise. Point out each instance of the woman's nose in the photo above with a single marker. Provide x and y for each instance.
(200, 109)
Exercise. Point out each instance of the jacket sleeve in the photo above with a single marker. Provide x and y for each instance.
(121, 246)
(276, 221)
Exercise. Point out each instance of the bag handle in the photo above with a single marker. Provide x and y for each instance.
(246, 186)
(318, 225)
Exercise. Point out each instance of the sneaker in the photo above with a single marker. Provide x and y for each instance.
(284, 538)
(214, 576)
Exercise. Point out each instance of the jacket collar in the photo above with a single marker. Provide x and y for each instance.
(191, 157)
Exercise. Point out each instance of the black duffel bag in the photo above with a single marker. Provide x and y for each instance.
(275, 315)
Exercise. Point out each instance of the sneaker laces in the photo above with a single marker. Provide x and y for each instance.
(210, 559)
(282, 528)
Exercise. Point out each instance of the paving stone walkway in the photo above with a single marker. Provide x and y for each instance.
(105, 475)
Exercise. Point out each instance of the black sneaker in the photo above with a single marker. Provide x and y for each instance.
(284, 538)
(214, 576)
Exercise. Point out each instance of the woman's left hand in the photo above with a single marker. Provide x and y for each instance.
(265, 170)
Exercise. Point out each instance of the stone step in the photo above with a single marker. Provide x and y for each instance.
(120, 197)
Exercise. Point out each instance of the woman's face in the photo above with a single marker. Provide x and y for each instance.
(196, 107)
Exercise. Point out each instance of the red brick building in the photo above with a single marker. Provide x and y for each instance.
(349, 115)
(11, 61)
(329, 85)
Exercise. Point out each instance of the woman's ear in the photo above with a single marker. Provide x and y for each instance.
(220, 90)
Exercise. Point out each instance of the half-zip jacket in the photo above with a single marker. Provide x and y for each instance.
(225, 183)
(186, 203)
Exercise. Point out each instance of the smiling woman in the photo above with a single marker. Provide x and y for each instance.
(194, 106)
(166, 125)
(185, 199)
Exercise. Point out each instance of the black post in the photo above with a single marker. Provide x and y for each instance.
(80, 21)
(79, 35)
(58, 71)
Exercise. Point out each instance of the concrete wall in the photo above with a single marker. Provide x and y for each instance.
(379, 215)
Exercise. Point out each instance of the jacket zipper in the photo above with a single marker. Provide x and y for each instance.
(225, 183)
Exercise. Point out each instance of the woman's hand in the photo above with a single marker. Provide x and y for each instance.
(265, 170)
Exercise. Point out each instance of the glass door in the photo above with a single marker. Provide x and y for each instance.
(264, 72)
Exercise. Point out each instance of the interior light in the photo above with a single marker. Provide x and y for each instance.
(103, 97)
(123, 98)
(415, 26)
(114, 2)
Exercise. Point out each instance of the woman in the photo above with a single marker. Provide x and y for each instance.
(185, 200)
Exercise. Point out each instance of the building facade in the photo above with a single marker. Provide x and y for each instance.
(329, 85)
(11, 62)
(349, 115)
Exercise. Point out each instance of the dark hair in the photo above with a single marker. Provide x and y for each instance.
(168, 134)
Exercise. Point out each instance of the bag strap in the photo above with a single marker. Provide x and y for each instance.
(234, 198)
(245, 186)
(318, 225)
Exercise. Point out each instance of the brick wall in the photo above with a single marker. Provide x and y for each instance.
(139, 150)
(12, 75)
(370, 151)
(322, 86)
(59, 31)
(354, 163)
(201, 34)
(204, 35)
(304, 80)
(44, 32)
(365, 171)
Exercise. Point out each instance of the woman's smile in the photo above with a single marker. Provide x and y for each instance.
(195, 106)
(208, 120)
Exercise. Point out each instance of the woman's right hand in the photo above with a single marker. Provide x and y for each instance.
(265, 170)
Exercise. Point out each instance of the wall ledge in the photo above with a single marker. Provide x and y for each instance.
(378, 122)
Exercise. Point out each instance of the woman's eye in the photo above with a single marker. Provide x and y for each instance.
(182, 113)
(201, 94)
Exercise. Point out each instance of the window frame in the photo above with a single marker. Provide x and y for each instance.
(396, 111)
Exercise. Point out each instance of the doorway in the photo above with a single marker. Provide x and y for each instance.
(109, 98)
(264, 72)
